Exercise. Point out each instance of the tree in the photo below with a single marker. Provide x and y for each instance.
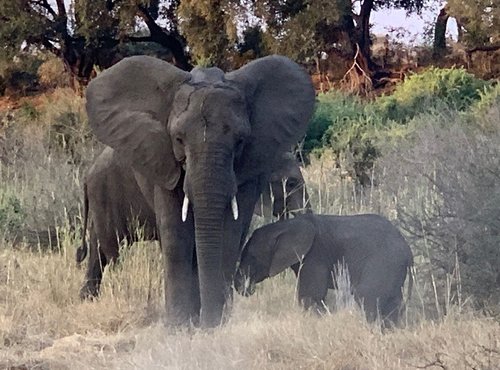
(88, 34)
(210, 29)
(439, 44)
(478, 25)
(302, 28)
(479, 22)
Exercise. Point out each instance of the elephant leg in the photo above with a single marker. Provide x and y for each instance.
(369, 304)
(391, 309)
(182, 297)
(313, 286)
(97, 262)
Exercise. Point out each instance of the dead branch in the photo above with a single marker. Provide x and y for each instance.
(357, 79)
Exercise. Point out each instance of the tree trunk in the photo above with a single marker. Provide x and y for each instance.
(364, 29)
(439, 47)
(170, 40)
(79, 62)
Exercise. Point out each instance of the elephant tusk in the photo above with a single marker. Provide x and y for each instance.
(234, 207)
(185, 206)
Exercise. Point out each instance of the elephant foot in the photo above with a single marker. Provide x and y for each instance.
(314, 306)
(89, 291)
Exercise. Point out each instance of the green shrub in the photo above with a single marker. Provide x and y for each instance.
(12, 215)
(19, 76)
(356, 141)
(332, 111)
(452, 87)
(341, 124)
(489, 98)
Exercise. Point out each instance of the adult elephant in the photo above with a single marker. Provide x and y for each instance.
(201, 146)
(114, 208)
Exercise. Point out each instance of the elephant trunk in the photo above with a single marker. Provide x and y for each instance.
(211, 189)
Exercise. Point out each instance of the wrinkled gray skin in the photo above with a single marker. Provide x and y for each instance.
(374, 251)
(116, 207)
(196, 141)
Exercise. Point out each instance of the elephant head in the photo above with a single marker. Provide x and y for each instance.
(271, 249)
(286, 193)
(207, 137)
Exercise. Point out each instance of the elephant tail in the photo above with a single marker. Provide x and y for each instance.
(81, 252)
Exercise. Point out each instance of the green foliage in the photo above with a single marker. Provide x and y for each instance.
(19, 23)
(453, 88)
(489, 97)
(480, 20)
(28, 111)
(12, 215)
(300, 29)
(19, 75)
(357, 130)
(333, 112)
(209, 29)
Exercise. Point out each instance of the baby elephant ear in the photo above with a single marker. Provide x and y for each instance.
(294, 239)
(280, 98)
(128, 106)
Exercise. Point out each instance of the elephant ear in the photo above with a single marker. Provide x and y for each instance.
(280, 98)
(293, 240)
(128, 106)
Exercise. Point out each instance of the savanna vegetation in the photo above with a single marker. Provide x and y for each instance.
(426, 156)
(412, 133)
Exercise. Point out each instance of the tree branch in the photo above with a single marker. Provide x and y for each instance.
(138, 39)
(61, 8)
(166, 39)
(44, 4)
(50, 47)
(493, 47)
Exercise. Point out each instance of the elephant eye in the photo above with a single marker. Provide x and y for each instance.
(179, 140)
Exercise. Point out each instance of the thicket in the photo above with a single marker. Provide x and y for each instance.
(355, 129)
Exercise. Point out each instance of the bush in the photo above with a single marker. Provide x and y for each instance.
(12, 215)
(452, 87)
(353, 129)
(445, 180)
(341, 124)
(332, 111)
(19, 76)
(357, 143)
(52, 73)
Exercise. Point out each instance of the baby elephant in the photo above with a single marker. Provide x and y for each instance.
(375, 253)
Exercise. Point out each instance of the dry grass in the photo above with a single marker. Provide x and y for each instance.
(43, 325)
